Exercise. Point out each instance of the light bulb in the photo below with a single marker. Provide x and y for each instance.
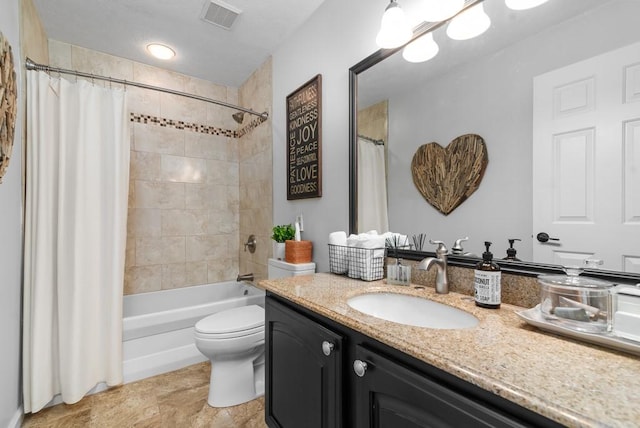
(469, 24)
(440, 10)
(395, 29)
(160, 51)
(422, 49)
(524, 4)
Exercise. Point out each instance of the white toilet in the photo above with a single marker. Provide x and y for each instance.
(233, 340)
(281, 269)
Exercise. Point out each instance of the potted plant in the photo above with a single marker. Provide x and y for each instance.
(281, 234)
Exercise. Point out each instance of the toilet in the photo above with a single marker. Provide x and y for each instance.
(233, 340)
(281, 269)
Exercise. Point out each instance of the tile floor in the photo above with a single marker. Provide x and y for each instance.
(172, 400)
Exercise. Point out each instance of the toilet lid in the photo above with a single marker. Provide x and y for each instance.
(232, 320)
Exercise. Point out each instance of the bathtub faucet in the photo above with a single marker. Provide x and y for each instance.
(245, 277)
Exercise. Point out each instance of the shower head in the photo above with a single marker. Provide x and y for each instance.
(238, 116)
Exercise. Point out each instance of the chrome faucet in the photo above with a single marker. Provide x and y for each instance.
(245, 277)
(440, 261)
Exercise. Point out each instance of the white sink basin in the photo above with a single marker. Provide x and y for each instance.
(411, 310)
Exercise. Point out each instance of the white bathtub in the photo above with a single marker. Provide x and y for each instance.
(158, 326)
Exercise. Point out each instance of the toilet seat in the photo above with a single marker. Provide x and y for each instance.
(231, 323)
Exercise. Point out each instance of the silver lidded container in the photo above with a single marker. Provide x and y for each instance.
(576, 302)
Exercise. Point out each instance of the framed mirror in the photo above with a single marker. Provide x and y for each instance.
(487, 86)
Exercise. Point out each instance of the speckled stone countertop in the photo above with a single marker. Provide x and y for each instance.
(573, 383)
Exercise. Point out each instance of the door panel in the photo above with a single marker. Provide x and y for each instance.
(304, 386)
(390, 395)
(586, 161)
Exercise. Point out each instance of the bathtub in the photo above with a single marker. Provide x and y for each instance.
(158, 326)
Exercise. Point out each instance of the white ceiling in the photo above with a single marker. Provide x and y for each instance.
(124, 28)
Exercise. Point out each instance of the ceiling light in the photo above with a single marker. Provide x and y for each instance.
(395, 29)
(161, 51)
(422, 49)
(440, 10)
(523, 4)
(469, 24)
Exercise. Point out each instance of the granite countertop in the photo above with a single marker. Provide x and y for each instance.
(573, 383)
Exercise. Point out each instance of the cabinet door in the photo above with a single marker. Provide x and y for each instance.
(303, 383)
(389, 395)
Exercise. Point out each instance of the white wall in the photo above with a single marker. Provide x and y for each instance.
(338, 35)
(11, 244)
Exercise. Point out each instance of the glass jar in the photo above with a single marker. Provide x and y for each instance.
(576, 302)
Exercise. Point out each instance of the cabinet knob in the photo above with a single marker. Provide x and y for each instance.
(360, 367)
(327, 347)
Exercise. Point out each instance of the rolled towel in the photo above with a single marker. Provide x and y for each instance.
(354, 269)
(338, 238)
(338, 262)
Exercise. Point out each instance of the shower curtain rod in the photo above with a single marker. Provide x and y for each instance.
(31, 65)
(371, 140)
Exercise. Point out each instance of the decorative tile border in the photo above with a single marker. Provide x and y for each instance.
(195, 127)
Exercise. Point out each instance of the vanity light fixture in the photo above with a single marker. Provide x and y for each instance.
(422, 49)
(160, 51)
(524, 4)
(395, 29)
(440, 10)
(469, 24)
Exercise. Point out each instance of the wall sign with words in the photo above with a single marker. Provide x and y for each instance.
(304, 142)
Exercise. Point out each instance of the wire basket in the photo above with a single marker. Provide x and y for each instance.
(359, 263)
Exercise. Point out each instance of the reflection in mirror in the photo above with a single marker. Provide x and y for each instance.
(372, 175)
(558, 163)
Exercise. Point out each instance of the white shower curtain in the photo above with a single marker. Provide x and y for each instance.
(75, 234)
(372, 187)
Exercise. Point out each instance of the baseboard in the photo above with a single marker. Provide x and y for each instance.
(16, 420)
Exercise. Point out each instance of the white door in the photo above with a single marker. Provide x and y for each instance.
(586, 162)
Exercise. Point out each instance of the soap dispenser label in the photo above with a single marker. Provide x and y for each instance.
(487, 287)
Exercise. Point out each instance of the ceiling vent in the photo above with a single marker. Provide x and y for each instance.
(220, 13)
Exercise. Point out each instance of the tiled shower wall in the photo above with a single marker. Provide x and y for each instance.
(183, 224)
(256, 182)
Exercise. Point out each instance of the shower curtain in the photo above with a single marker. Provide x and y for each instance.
(372, 187)
(75, 233)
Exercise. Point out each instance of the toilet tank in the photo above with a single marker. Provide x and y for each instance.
(281, 269)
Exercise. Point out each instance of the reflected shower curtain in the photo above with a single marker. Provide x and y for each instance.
(372, 187)
(75, 233)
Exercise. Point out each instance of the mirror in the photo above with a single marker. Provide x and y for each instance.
(485, 86)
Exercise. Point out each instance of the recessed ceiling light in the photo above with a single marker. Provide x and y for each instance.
(161, 51)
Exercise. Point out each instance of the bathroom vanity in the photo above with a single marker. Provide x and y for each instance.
(329, 365)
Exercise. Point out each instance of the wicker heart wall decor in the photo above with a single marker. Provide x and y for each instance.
(446, 177)
(8, 105)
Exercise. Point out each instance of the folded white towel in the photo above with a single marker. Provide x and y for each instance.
(363, 262)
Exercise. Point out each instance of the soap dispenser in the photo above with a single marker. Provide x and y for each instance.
(487, 281)
(511, 252)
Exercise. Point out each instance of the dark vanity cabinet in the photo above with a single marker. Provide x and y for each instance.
(391, 395)
(304, 371)
(322, 374)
